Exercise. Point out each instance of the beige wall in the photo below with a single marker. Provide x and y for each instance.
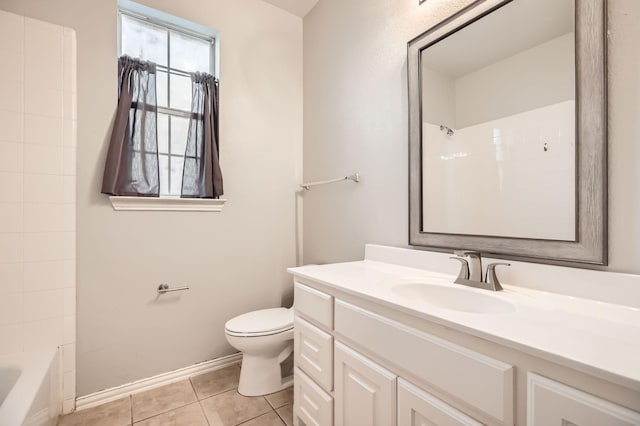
(355, 118)
(234, 261)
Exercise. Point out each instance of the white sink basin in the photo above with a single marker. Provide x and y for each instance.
(454, 298)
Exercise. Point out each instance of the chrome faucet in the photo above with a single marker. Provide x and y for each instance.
(471, 271)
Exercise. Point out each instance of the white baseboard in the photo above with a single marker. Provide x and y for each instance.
(108, 395)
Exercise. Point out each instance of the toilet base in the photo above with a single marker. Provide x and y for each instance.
(261, 376)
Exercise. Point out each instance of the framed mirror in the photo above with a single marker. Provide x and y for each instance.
(507, 131)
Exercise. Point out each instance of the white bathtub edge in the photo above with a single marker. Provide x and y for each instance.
(34, 366)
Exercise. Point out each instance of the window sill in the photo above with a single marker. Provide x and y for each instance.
(169, 204)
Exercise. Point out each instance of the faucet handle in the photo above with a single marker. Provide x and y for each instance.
(464, 268)
(474, 262)
(492, 278)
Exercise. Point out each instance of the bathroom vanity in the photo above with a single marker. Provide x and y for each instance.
(387, 342)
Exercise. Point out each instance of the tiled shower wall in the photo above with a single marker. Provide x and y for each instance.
(37, 190)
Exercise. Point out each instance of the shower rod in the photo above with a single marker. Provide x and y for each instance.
(354, 177)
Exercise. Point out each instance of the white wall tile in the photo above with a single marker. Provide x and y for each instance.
(43, 159)
(12, 45)
(69, 60)
(12, 72)
(11, 309)
(69, 190)
(69, 133)
(69, 105)
(37, 190)
(42, 100)
(11, 248)
(43, 130)
(11, 156)
(11, 128)
(43, 217)
(10, 187)
(12, 98)
(43, 188)
(11, 219)
(43, 52)
(69, 335)
(42, 247)
(39, 305)
(43, 333)
(12, 339)
(69, 385)
(69, 273)
(69, 161)
(69, 357)
(68, 217)
(39, 276)
(69, 245)
(11, 278)
(69, 301)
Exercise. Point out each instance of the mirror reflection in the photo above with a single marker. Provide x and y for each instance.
(498, 125)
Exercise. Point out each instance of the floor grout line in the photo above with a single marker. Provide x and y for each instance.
(204, 413)
(281, 418)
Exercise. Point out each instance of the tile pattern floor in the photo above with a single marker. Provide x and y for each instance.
(209, 399)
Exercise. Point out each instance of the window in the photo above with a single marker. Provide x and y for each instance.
(176, 52)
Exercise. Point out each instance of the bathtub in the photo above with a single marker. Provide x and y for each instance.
(30, 388)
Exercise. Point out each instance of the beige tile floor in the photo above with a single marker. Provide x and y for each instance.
(209, 399)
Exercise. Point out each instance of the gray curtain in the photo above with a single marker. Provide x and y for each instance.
(202, 177)
(132, 160)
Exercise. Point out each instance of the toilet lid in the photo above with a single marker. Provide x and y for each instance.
(262, 321)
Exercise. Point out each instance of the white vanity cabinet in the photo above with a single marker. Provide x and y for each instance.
(338, 385)
(361, 363)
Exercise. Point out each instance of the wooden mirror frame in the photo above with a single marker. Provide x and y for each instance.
(590, 247)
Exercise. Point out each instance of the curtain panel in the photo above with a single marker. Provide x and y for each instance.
(202, 176)
(131, 168)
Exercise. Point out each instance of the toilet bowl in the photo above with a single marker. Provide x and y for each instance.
(265, 338)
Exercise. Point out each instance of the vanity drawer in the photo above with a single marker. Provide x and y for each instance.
(417, 408)
(553, 403)
(311, 404)
(314, 305)
(479, 381)
(313, 352)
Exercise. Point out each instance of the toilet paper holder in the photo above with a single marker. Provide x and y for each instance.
(164, 288)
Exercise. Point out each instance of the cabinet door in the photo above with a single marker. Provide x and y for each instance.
(552, 403)
(365, 393)
(419, 408)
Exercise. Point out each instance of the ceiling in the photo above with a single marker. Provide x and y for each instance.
(297, 7)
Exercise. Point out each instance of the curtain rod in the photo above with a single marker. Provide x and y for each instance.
(354, 177)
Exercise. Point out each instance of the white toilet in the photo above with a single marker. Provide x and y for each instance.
(265, 338)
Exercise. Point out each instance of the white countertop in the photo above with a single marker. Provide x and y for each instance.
(598, 338)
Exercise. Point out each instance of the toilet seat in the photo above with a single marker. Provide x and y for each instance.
(260, 323)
